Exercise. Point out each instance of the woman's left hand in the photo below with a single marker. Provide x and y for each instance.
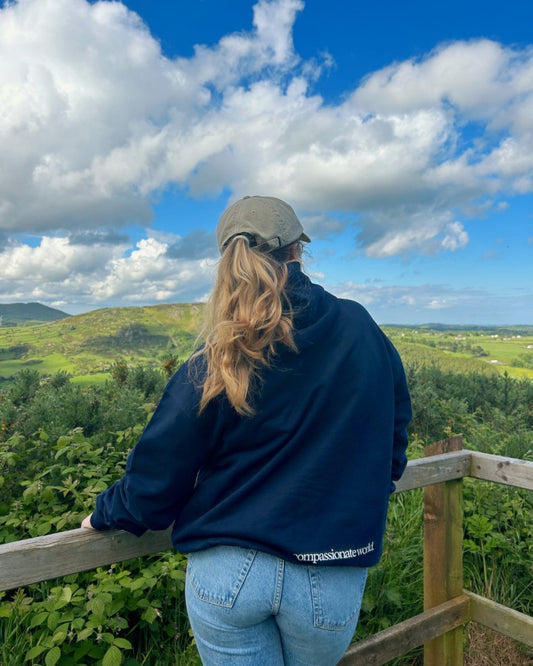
(86, 522)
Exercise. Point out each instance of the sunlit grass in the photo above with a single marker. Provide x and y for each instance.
(91, 342)
(96, 379)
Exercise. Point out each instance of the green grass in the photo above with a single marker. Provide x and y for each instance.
(92, 342)
(506, 350)
(520, 373)
(423, 346)
(96, 379)
(87, 345)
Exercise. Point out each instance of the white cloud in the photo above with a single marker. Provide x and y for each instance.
(238, 55)
(479, 78)
(455, 237)
(149, 274)
(90, 131)
(53, 260)
(437, 304)
(101, 274)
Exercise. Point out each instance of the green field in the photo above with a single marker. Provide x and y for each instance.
(87, 345)
(492, 350)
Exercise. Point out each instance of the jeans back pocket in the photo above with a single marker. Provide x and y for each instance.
(217, 574)
(337, 593)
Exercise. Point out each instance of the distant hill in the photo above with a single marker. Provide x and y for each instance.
(16, 314)
(524, 329)
(88, 344)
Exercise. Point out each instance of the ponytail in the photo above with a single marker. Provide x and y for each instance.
(248, 317)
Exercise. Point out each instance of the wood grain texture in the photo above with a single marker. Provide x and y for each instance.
(405, 636)
(436, 469)
(443, 555)
(46, 557)
(508, 471)
(501, 618)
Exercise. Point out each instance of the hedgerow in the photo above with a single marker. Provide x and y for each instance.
(60, 446)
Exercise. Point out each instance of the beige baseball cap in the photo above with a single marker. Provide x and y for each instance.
(271, 222)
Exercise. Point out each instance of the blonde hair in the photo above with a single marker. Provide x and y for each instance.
(248, 316)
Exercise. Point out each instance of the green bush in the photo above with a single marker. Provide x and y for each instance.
(130, 608)
(54, 403)
(62, 444)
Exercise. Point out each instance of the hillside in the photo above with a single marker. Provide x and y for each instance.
(89, 343)
(459, 349)
(16, 314)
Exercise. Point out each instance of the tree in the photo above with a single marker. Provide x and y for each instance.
(120, 372)
(24, 387)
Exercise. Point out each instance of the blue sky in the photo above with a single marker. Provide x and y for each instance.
(402, 134)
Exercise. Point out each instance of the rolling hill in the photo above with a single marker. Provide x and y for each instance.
(16, 314)
(87, 345)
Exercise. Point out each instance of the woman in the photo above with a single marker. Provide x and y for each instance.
(273, 451)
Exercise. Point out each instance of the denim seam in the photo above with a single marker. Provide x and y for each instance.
(280, 571)
(315, 596)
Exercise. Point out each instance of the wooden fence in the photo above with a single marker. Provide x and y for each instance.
(447, 607)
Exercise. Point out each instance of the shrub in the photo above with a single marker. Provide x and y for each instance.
(63, 444)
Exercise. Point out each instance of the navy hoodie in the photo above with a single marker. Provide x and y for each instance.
(308, 477)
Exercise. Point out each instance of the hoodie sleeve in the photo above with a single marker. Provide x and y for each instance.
(402, 417)
(161, 470)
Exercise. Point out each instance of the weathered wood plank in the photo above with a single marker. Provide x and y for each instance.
(443, 557)
(405, 636)
(509, 471)
(42, 558)
(436, 469)
(501, 618)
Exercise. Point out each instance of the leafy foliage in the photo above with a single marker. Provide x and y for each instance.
(61, 444)
(31, 401)
(134, 607)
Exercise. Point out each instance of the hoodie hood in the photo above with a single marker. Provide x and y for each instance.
(314, 309)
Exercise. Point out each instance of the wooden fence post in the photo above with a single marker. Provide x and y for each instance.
(443, 556)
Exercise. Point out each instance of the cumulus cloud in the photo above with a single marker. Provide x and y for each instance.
(102, 273)
(240, 55)
(54, 259)
(148, 273)
(90, 132)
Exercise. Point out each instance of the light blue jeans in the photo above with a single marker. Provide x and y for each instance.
(248, 608)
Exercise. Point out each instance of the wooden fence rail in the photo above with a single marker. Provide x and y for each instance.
(446, 606)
